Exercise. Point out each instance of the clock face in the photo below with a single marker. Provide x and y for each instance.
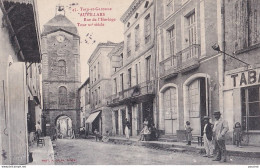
(60, 38)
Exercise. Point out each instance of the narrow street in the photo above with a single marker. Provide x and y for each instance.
(89, 152)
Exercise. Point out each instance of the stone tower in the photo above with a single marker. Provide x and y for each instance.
(60, 72)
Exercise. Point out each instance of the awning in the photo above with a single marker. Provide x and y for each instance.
(92, 117)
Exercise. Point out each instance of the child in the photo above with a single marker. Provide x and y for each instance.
(188, 132)
(106, 137)
(238, 134)
(98, 136)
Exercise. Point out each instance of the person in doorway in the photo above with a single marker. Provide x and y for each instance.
(97, 135)
(145, 131)
(38, 130)
(73, 134)
(127, 127)
(219, 131)
(237, 134)
(207, 137)
(188, 132)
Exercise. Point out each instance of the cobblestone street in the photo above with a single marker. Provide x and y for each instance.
(89, 152)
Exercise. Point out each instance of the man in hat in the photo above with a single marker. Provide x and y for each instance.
(219, 131)
(207, 137)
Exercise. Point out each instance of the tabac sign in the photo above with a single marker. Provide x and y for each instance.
(244, 78)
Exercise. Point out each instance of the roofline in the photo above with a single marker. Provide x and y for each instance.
(85, 83)
(132, 8)
(104, 45)
(60, 29)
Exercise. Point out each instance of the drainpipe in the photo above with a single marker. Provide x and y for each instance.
(223, 38)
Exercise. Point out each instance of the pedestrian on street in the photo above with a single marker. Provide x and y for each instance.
(38, 130)
(219, 131)
(238, 134)
(127, 127)
(188, 132)
(208, 137)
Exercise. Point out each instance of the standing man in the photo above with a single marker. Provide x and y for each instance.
(219, 131)
(207, 137)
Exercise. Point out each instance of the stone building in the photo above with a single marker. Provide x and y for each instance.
(61, 72)
(100, 88)
(134, 79)
(241, 36)
(85, 105)
(20, 57)
(190, 82)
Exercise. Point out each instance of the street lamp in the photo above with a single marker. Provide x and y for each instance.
(216, 48)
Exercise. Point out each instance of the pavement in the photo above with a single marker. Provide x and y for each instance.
(42, 154)
(232, 150)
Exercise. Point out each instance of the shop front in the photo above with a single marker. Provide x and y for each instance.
(242, 103)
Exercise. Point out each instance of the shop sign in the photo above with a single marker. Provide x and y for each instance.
(246, 78)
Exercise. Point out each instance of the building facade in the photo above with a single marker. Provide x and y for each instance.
(241, 81)
(100, 88)
(85, 105)
(187, 65)
(134, 79)
(61, 73)
(20, 58)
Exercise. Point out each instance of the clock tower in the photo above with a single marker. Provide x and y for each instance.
(60, 75)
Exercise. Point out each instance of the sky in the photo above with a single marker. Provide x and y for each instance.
(90, 35)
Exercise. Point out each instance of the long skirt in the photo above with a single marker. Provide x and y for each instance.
(127, 132)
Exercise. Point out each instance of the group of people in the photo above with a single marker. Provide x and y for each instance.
(102, 138)
(212, 132)
(148, 133)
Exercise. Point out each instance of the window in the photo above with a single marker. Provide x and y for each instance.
(136, 73)
(250, 108)
(146, 4)
(91, 76)
(96, 97)
(170, 103)
(62, 67)
(98, 70)
(86, 97)
(192, 28)
(129, 45)
(129, 77)
(136, 15)
(247, 23)
(95, 73)
(93, 99)
(137, 37)
(169, 7)
(115, 86)
(148, 68)
(62, 95)
(194, 98)
(122, 59)
(147, 28)
(128, 24)
(99, 95)
(122, 81)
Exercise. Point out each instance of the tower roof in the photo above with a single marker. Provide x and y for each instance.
(59, 22)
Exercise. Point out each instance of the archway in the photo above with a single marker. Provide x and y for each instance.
(64, 126)
(196, 100)
(168, 101)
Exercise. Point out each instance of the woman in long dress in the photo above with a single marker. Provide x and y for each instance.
(145, 131)
(127, 127)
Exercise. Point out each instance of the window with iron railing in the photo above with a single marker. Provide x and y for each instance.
(147, 28)
(137, 37)
(128, 45)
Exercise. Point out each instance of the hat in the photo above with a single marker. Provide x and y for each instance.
(216, 113)
(206, 117)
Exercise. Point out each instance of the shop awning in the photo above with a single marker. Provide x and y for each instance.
(92, 117)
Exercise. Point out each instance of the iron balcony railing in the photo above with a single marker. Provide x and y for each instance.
(190, 56)
(186, 58)
(144, 88)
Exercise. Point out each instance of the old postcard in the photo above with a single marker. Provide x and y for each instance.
(130, 82)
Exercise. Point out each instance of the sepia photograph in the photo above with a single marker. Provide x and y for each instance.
(129, 82)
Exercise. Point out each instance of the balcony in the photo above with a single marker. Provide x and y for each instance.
(169, 67)
(189, 58)
(137, 93)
